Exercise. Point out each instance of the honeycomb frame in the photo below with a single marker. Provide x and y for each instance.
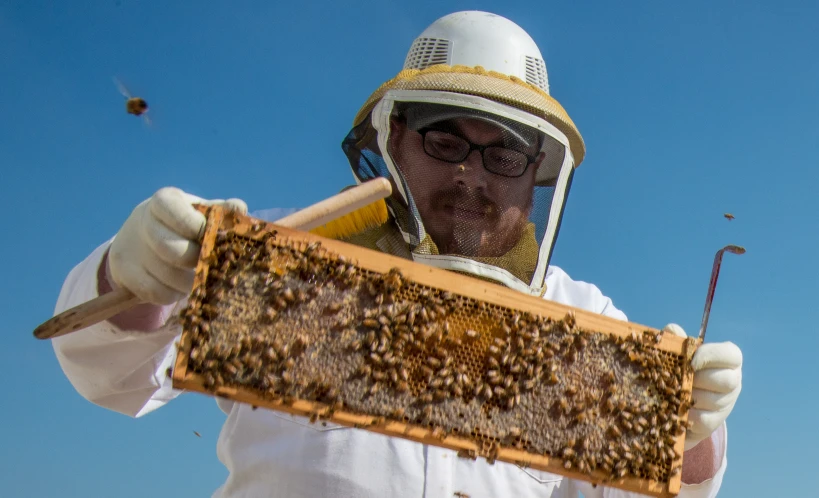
(499, 322)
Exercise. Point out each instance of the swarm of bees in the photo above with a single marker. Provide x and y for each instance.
(290, 321)
(133, 105)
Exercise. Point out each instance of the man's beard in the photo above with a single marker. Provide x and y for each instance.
(475, 226)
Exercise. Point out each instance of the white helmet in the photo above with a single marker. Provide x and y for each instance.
(474, 38)
(478, 67)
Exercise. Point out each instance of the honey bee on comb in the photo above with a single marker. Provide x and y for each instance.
(133, 105)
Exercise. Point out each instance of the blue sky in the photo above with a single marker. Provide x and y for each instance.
(688, 109)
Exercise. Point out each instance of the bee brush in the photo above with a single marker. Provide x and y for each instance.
(350, 212)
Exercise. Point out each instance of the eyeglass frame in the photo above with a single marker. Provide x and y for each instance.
(473, 146)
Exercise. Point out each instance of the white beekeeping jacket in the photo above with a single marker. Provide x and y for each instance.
(271, 454)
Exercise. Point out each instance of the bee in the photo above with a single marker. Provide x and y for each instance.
(289, 295)
(231, 369)
(133, 105)
(512, 401)
(729, 216)
(438, 433)
(197, 434)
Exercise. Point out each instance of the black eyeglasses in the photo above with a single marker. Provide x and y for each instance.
(454, 149)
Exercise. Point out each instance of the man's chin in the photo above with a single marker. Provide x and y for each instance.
(468, 246)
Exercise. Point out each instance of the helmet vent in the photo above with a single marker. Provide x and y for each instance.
(427, 52)
(536, 73)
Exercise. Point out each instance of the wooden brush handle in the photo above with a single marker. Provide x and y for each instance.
(337, 206)
(112, 303)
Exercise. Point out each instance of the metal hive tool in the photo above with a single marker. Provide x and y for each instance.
(289, 321)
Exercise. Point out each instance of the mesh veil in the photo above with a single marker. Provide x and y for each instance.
(479, 186)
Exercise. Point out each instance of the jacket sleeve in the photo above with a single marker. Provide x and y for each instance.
(121, 370)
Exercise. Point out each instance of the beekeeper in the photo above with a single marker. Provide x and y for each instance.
(482, 159)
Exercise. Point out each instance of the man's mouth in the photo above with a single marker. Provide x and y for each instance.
(463, 212)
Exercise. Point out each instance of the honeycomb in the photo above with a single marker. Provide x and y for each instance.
(293, 322)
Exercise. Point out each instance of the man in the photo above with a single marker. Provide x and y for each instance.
(481, 158)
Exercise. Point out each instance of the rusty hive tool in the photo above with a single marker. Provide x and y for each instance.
(712, 286)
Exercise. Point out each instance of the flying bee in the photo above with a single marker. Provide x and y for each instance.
(133, 105)
(729, 216)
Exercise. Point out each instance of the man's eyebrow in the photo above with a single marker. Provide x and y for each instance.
(506, 139)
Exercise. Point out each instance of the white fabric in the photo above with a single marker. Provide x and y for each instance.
(717, 384)
(155, 251)
(270, 454)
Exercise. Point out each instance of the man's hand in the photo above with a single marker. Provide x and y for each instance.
(154, 253)
(717, 383)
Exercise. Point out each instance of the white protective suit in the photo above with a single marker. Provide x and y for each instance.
(270, 454)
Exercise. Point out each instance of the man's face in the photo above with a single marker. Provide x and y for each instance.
(466, 209)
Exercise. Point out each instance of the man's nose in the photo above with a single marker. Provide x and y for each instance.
(470, 172)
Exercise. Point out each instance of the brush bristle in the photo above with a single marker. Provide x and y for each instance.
(360, 220)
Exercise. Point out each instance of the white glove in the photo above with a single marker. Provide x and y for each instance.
(155, 252)
(717, 383)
